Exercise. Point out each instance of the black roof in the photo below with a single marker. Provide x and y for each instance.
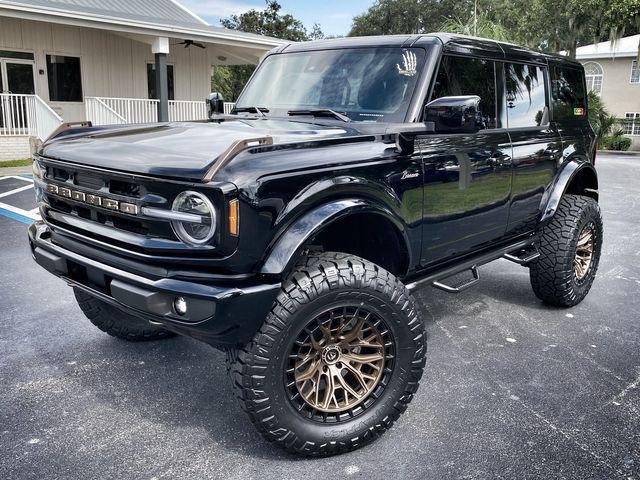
(450, 42)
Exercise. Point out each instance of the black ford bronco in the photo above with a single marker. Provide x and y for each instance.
(292, 232)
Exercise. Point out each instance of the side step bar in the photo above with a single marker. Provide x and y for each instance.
(521, 253)
(523, 256)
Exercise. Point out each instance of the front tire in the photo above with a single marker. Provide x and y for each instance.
(337, 360)
(117, 323)
(570, 247)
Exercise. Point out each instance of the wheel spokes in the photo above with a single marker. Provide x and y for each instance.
(584, 253)
(363, 358)
(340, 369)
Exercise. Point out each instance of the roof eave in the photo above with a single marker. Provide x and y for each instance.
(603, 55)
(122, 25)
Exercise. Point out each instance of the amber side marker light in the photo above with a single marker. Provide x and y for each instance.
(233, 217)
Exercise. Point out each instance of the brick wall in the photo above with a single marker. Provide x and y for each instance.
(14, 147)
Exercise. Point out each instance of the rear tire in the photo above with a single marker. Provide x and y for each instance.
(336, 314)
(570, 247)
(117, 323)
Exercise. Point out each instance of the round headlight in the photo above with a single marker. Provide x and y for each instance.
(199, 225)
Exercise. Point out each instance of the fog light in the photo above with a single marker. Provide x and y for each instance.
(180, 305)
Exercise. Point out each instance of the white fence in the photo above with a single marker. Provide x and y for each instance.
(26, 115)
(110, 110)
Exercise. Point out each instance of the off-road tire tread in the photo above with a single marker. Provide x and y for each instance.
(552, 273)
(115, 323)
(319, 272)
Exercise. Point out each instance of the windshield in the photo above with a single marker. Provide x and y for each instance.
(366, 84)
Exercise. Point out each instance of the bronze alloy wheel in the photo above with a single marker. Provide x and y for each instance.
(339, 363)
(584, 252)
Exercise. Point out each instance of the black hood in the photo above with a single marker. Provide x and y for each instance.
(185, 150)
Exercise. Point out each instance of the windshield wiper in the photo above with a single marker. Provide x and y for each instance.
(321, 112)
(260, 110)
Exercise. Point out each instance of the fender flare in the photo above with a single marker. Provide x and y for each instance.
(288, 245)
(568, 172)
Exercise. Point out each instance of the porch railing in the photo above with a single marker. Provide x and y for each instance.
(111, 110)
(26, 115)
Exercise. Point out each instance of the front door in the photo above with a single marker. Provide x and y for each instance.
(16, 79)
(17, 76)
(467, 177)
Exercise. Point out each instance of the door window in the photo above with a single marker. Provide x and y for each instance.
(525, 94)
(20, 78)
(469, 76)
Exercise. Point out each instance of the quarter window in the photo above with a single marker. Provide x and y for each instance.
(593, 75)
(525, 95)
(635, 72)
(469, 76)
(568, 92)
(632, 123)
(64, 78)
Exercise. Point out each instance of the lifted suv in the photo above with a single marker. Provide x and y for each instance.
(292, 232)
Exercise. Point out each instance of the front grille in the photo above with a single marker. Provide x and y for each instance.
(132, 234)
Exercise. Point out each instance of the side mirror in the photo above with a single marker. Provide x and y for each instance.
(215, 104)
(455, 114)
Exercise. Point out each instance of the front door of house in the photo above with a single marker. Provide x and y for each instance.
(16, 80)
(16, 76)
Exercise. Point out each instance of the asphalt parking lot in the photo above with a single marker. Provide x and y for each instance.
(513, 389)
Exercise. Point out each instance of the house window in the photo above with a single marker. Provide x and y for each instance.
(632, 123)
(593, 74)
(635, 72)
(64, 78)
(151, 81)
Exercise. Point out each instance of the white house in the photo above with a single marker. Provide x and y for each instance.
(612, 72)
(70, 60)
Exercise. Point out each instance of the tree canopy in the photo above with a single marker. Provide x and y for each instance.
(545, 24)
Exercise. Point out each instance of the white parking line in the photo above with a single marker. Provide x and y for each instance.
(17, 177)
(19, 211)
(17, 190)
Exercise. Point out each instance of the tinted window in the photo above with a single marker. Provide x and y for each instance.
(65, 80)
(151, 81)
(525, 94)
(469, 76)
(366, 84)
(568, 92)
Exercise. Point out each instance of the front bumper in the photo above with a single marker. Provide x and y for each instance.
(222, 316)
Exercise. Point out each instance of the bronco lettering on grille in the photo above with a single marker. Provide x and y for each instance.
(94, 200)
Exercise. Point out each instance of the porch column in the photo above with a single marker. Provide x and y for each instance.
(160, 48)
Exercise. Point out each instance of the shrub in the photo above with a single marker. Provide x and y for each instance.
(617, 142)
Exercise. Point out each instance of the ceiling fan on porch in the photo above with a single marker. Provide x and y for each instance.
(190, 43)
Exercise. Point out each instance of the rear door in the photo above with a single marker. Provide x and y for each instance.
(537, 148)
(467, 177)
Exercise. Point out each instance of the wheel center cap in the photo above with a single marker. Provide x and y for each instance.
(331, 354)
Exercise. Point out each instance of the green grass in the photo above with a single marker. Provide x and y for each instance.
(16, 163)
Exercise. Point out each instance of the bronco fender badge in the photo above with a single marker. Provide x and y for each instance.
(95, 200)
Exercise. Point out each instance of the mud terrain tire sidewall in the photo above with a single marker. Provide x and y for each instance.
(258, 369)
(552, 275)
